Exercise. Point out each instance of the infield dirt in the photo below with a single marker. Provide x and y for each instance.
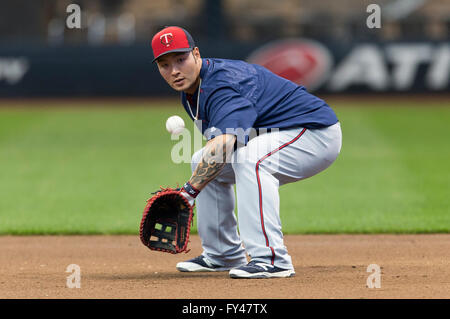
(327, 266)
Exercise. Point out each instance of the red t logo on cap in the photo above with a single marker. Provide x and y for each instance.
(171, 39)
(166, 39)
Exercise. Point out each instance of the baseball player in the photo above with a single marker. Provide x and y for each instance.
(263, 131)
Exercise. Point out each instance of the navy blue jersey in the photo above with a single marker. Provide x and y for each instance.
(236, 96)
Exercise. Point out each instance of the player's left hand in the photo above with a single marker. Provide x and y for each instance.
(166, 221)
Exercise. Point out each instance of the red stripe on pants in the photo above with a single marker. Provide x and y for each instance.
(260, 190)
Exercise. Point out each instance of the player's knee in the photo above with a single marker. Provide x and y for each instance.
(243, 163)
(245, 156)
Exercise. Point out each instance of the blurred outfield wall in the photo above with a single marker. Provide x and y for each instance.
(358, 67)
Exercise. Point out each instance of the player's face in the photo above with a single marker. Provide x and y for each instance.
(181, 70)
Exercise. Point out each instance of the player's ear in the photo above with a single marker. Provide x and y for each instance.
(196, 53)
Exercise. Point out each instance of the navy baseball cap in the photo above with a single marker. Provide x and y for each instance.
(171, 39)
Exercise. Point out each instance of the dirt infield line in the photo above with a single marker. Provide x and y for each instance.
(327, 266)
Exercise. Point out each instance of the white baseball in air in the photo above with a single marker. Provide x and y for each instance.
(175, 125)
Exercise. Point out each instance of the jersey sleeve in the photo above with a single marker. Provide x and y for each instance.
(230, 113)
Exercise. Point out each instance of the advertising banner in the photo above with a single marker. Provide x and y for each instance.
(419, 67)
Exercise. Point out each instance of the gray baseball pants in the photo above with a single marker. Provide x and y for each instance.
(267, 162)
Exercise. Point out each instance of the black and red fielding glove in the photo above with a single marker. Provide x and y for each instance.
(167, 219)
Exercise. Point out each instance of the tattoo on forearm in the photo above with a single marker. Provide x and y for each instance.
(213, 161)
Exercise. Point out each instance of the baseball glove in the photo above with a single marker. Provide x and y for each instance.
(166, 221)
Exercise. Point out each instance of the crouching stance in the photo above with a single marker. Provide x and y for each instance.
(263, 131)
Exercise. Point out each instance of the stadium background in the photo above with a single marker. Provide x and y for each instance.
(82, 111)
(409, 53)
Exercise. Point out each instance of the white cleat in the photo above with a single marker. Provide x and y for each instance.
(257, 270)
(198, 264)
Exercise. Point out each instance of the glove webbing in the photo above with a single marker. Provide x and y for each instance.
(163, 236)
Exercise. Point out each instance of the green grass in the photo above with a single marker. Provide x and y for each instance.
(88, 170)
